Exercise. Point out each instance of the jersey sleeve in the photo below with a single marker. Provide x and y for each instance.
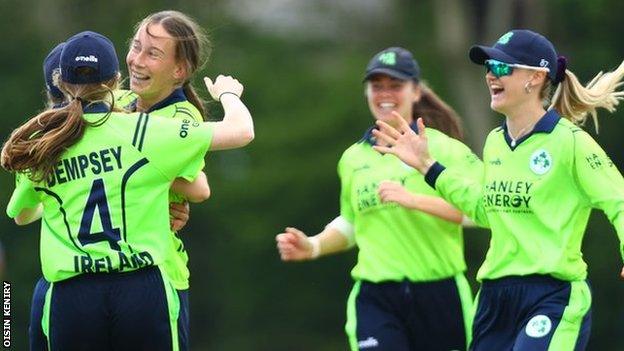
(459, 156)
(458, 178)
(461, 191)
(195, 116)
(24, 196)
(176, 146)
(346, 210)
(599, 181)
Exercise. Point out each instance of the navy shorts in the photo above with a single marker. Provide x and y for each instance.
(119, 311)
(532, 313)
(404, 316)
(38, 340)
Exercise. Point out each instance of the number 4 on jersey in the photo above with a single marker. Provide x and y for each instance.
(97, 199)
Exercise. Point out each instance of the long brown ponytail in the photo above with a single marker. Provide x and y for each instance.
(37, 145)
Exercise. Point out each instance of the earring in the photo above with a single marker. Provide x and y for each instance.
(528, 88)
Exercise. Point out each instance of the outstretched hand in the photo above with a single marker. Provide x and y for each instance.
(622, 273)
(404, 143)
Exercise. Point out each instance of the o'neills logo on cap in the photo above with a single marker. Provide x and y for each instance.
(89, 58)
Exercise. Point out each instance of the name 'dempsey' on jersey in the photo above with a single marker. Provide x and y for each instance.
(80, 166)
(513, 195)
(87, 264)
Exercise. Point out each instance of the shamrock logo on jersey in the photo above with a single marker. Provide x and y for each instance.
(505, 38)
(538, 326)
(388, 58)
(540, 162)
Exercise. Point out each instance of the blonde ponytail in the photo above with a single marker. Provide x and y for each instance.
(575, 101)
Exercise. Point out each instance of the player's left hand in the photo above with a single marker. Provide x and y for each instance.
(394, 192)
(179, 214)
(622, 273)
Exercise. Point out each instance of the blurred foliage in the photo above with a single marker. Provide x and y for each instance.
(306, 95)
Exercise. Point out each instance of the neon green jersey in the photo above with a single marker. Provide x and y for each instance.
(537, 196)
(106, 204)
(174, 106)
(394, 242)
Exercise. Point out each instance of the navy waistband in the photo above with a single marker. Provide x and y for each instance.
(524, 279)
(112, 275)
(404, 282)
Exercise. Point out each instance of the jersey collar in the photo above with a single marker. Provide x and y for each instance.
(370, 138)
(546, 124)
(98, 107)
(176, 96)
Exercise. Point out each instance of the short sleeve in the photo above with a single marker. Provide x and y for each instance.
(24, 196)
(175, 146)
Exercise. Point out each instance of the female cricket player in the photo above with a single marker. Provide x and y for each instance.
(410, 292)
(543, 175)
(84, 160)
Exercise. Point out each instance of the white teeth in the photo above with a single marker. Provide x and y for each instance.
(387, 105)
(139, 76)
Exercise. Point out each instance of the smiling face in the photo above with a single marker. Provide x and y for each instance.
(386, 94)
(508, 93)
(152, 65)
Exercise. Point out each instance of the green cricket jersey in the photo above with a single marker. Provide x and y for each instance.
(394, 242)
(174, 106)
(536, 196)
(106, 203)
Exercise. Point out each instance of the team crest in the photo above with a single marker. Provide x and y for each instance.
(388, 58)
(505, 38)
(540, 162)
(538, 326)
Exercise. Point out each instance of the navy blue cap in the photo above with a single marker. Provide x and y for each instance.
(519, 46)
(88, 49)
(50, 65)
(395, 62)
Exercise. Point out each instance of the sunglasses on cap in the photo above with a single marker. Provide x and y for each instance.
(501, 69)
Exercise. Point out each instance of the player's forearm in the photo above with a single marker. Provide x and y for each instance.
(195, 191)
(237, 123)
(331, 241)
(436, 206)
(29, 215)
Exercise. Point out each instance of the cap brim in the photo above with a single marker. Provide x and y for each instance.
(388, 72)
(479, 53)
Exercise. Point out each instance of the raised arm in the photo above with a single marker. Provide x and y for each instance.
(462, 192)
(236, 129)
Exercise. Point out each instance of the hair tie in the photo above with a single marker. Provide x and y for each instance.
(562, 64)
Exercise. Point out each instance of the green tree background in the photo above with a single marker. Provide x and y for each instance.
(302, 63)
